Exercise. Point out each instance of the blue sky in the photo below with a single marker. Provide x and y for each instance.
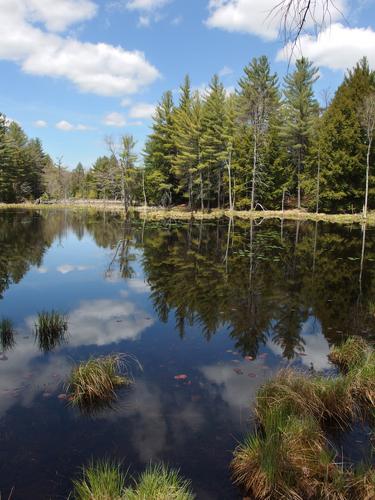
(74, 71)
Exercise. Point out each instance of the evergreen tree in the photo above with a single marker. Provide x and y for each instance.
(160, 151)
(301, 110)
(213, 143)
(7, 166)
(258, 100)
(343, 149)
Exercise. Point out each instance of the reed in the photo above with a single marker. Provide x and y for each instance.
(50, 330)
(7, 334)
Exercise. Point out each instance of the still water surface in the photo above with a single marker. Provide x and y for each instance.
(196, 299)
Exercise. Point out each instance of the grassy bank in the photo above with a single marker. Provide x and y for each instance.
(181, 213)
(289, 454)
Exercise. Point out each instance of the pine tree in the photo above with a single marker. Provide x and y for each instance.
(214, 151)
(160, 151)
(183, 162)
(258, 101)
(301, 109)
(7, 165)
(344, 145)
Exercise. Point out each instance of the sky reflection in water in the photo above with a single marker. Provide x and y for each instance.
(194, 299)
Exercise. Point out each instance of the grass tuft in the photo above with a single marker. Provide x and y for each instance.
(6, 334)
(100, 481)
(50, 330)
(159, 482)
(350, 354)
(289, 455)
(105, 481)
(94, 382)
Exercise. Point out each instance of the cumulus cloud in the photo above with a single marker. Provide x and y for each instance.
(68, 268)
(142, 110)
(114, 120)
(149, 10)
(256, 17)
(40, 124)
(102, 322)
(29, 36)
(66, 126)
(338, 47)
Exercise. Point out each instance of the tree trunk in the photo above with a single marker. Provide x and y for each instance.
(201, 183)
(367, 177)
(299, 181)
(229, 166)
(143, 187)
(254, 172)
(318, 185)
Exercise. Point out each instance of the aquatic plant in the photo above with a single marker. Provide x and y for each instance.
(288, 455)
(95, 381)
(6, 334)
(103, 480)
(350, 354)
(106, 481)
(159, 482)
(50, 330)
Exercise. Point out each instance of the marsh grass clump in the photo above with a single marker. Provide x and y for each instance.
(106, 481)
(93, 383)
(103, 480)
(7, 335)
(289, 455)
(362, 379)
(50, 330)
(159, 482)
(352, 353)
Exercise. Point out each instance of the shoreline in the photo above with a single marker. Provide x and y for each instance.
(179, 213)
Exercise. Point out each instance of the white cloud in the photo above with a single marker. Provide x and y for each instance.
(66, 126)
(142, 110)
(40, 124)
(114, 120)
(104, 321)
(146, 5)
(57, 16)
(225, 71)
(139, 286)
(68, 268)
(257, 17)
(149, 10)
(338, 47)
(125, 102)
(99, 68)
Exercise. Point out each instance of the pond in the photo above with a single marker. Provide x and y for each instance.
(224, 303)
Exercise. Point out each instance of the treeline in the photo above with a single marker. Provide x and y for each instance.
(267, 145)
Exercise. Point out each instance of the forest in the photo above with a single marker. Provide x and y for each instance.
(269, 144)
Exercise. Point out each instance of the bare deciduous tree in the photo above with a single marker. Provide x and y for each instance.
(296, 15)
(368, 123)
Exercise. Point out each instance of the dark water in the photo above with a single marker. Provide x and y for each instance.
(194, 299)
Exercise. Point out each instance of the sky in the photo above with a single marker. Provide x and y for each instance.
(75, 71)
